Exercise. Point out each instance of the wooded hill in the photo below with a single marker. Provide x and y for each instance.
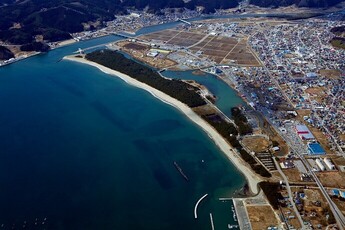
(5, 53)
(299, 3)
(55, 19)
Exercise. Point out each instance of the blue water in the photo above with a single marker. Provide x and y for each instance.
(87, 151)
(226, 96)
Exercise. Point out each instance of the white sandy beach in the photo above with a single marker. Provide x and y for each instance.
(229, 151)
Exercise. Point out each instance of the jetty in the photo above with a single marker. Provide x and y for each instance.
(211, 219)
(197, 204)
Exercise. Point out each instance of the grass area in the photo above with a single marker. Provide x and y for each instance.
(338, 42)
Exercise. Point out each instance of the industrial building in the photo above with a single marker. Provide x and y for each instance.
(316, 149)
(320, 165)
(329, 163)
(304, 133)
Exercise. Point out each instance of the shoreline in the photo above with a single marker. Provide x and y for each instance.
(251, 178)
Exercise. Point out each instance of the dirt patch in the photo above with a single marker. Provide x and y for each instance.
(293, 174)
(261, 217)
(204, 110)
(317, 93)
(340, 204)
(332, 179)
(342, 137)
(199, 73)
(339, 161)
(330, 73)
(136, 46)
(314, 207)
(256, 144)
(303, 112)
(140, 51)
(223, 50)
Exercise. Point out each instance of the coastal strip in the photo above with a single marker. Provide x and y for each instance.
(229, 151)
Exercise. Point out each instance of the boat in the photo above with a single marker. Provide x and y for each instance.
(233, 213)
(232, 226)
(180, 171)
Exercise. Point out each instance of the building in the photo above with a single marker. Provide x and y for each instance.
(320, 165)
(152, 54)
(304, 133)
(316, 149)
(329, 163)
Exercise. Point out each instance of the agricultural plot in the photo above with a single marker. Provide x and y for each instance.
(222, 50)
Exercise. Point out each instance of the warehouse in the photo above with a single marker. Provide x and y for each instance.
(304, 133)
(316, 149)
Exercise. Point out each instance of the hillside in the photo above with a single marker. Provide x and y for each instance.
(339, 40)
(22, 20)
(5, 53)
(299, 3)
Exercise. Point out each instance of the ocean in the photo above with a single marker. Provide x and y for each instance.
(80, 149)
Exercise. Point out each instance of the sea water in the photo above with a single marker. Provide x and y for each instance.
(80, 149)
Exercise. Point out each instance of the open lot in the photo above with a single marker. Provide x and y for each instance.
(337, 180)
(330, 73)
(317, 93)
(261, 217)
(139, 51)
(223, 50)
(293, 174)
(256, 143)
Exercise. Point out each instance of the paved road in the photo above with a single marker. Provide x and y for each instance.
(288, 188)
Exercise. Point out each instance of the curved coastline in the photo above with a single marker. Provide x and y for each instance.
(229, 151)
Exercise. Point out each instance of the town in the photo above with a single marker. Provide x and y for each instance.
(293, 82)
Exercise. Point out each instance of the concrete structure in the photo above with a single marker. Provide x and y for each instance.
(304, 133)
(329, 163)
(320, 165)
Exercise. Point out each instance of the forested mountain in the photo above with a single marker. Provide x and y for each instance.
(299, 3)
(22, 20)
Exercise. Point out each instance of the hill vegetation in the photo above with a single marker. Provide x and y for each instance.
(299, 3)
(5, 53)
(22, 20)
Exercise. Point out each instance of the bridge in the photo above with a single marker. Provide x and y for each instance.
(184, 21)
(90, 48)
(122, 35)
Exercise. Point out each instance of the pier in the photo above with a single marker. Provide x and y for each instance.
(197, 204)
(211, 219)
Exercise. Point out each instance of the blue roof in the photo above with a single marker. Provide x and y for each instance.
(316, 149)
(335, 192)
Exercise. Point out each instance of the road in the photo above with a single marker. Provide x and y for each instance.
(288, 188)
